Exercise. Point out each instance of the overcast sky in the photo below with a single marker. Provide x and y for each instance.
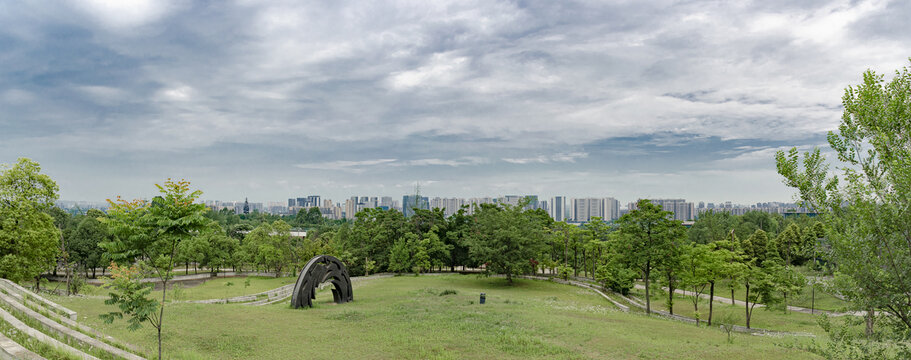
(271, 100)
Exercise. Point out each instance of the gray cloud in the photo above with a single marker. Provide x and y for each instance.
(283, 90)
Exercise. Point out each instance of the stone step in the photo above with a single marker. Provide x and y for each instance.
(64, 331)
(14, 288)
(9, 349)
(42, 337)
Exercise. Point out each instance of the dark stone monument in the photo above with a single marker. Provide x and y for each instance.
(318, 270)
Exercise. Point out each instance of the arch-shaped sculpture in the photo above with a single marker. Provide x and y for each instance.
(318, 270)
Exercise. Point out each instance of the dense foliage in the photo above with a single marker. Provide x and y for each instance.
(28, 236)
(866, 208)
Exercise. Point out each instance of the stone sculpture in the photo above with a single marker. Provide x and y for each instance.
(318, 270)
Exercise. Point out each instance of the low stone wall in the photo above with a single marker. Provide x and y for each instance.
(10, 350)
(14, 288)
(42, 337)
(65, 331)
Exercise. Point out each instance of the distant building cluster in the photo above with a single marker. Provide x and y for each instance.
(560, 208)
(681, 209)
(238, 206)
(769, 207)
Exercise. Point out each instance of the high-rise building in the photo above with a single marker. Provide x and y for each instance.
(449, 206)
(558, 208)
(610, 209)
(585, 209)
(350, 208)
(386, 202)
(682, 210)
(313, 201)
(411, 202)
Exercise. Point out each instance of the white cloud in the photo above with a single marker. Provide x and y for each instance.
(343, 165)
(440, 71)
(120, 14)
(545, 159)
(431, 87)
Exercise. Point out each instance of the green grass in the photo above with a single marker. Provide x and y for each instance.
(406, 318)
(216, 289)
(34, 345)
(762, 318)
(824, 301)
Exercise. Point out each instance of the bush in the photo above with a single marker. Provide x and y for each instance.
(564, 271)
(448, 292)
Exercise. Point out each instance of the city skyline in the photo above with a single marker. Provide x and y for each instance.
(260, 100)
(579, 210)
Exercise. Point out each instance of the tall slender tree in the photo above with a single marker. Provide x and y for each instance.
(648, 236)
(150, 233)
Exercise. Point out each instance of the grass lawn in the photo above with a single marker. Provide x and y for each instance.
(217, 288)
(212, 289)
(763, 318)
(407, 318)
(824, 301)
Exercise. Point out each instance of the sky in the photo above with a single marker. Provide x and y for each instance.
(277, 99)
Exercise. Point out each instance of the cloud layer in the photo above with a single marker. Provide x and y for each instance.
(482, 97)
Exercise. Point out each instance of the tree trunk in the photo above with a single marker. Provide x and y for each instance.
(648, 300)
(711, 300)
(869, 320)
(93, 272)
(813, 299)
(186, 270)
(747, 302)
(575, 262)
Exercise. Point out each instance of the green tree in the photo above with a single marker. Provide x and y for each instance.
(401, 255)
(697, 265)
(28, 238)
(459, 225)
(865, 207)
(647, 235)
(712, 226)
(506, 238)
(151, 233)
(437, 250)
(614, 272)
(83, 243)
(758, 272)
(372, 235)
(269, 246)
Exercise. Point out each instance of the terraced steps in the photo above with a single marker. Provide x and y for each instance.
(9, 349)
(52, 325)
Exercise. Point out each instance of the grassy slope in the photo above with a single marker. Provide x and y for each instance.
(403, 317)
(216, 289)
(824, 301)
(763, 318)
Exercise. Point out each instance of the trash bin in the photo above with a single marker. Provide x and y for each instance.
(483, 297)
